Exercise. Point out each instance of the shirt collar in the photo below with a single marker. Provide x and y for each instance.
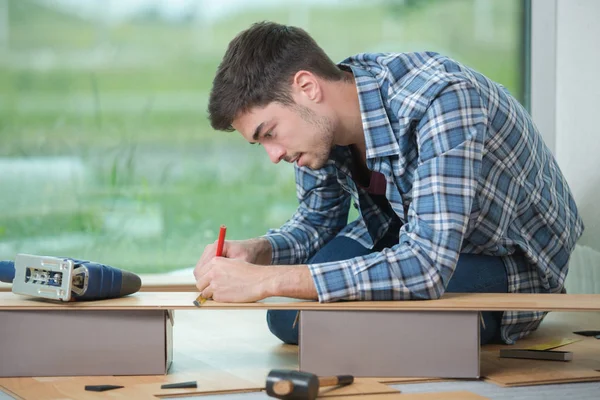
(380, 140)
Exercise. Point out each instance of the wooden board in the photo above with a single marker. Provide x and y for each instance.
(449, 302)
(360, 386)
(520, 372)
(136, 393)
(535, 372)
(170, 287)
(53, 388)
(168, 283)
(134, 386)
(393, 380)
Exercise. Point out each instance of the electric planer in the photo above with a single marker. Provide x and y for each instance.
(67, 279)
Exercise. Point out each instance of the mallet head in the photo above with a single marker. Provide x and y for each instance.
(292, 385)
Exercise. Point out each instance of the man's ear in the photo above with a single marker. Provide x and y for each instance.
(305, 83)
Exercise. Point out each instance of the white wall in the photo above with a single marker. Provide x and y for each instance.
(569, 49)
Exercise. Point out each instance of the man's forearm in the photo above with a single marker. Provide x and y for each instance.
(263, 251)
(290, 281)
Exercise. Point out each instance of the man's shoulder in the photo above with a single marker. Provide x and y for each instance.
(396, 65)
(408, 82)
(382, 58)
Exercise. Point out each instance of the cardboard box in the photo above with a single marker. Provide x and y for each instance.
(85, 342)
(390, 343)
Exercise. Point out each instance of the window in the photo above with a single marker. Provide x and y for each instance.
(106, 153)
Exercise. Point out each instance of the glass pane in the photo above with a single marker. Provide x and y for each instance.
(105, 149)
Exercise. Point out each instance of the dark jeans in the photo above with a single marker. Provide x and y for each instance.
(474, 273)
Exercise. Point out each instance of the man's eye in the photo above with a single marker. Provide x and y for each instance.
(267, 135)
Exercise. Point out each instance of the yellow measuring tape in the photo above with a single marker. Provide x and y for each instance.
(199, 301)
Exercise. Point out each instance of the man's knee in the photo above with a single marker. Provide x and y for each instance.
(490, 327)
(281, 324)
(477, 273)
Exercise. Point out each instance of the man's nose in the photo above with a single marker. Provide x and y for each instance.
(276, 153)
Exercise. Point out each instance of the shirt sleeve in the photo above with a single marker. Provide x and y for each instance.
(450, 140)
(321, 214)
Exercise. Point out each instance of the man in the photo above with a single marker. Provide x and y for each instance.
(455, 188)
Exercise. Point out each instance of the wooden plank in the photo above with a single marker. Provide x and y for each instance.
(410, 379)
(139, 392)
(134, 386)
(175, 287)
(360, 386)
(522, 372)
(168, 283)
(531, 376)
(52, 388)
(449, 302)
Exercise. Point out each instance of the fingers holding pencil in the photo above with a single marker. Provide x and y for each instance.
(217, 248)
(220, 243)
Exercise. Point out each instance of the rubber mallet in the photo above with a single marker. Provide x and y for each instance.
(296, 385)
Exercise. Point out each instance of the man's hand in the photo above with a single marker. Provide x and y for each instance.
(255, 251)
(229, 280)
(233, 280)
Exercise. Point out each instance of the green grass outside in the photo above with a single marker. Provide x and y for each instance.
(164, 165)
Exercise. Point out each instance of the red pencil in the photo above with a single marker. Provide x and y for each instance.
(200, 300)
(221, 240)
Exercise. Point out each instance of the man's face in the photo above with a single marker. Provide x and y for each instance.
(293, 133)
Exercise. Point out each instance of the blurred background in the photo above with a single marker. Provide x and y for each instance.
(106, 152)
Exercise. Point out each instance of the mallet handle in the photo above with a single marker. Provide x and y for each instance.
(335, 380)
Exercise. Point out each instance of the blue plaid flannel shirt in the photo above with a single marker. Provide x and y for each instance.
(467, 172)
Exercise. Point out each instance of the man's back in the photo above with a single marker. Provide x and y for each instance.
(521, 203)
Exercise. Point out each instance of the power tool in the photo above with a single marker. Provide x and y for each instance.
(67, 279)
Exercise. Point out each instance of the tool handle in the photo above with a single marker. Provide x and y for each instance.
(7, 271)
(105, 282)
(336, 380)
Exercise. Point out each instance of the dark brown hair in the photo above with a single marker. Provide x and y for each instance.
(258, 68)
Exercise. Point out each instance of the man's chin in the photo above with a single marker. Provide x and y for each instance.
(313, 161)
(316, 164)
